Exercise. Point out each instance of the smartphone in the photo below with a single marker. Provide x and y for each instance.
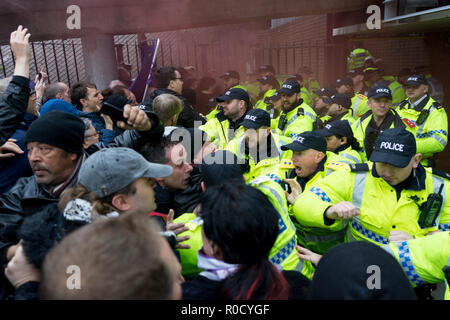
(113, 107)
(114, 112)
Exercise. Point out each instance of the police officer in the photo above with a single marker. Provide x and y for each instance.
(297, 116)
(312, 163)
(357, 76)
(357, 57)
(274, 106)
(224, 166)
(393, 199)
(425, 118)
(226, 124)
(359, 101)
(230, 80)
(259, 147)
(374, 77)
(340, 140)
(308, 81)
(381, 117)
(268, 85)
(423, 260)
(339, 108)
(320, 106)
(435, 86)
(307, 96)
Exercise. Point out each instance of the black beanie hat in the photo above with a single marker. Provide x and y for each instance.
(59, 129)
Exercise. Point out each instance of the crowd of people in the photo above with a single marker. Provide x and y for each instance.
(213, 189)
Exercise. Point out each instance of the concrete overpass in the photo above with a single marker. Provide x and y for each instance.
(100, 19)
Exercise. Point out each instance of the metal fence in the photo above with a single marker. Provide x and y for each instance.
(288, 57)
(63, 60)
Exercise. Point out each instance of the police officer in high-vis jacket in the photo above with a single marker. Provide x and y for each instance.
(312, 163)
(259, 147)
(424, 260)
(226, 124)
(425, 118)
(393, 199)
(297, 116)
(381, 116)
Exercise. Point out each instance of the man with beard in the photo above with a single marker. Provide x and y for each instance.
(297, 116)
(226, 125)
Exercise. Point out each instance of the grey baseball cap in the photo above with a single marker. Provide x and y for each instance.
(112, 169)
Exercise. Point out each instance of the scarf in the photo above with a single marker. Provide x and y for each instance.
(215, 269)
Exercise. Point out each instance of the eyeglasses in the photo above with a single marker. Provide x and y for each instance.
(178, 79)
(93, 136)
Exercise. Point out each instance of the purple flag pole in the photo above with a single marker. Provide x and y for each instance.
(151, 69)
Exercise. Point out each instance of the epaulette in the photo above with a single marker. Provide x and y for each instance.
(359, 167)
(259, 180)
(440, 173)
(335, 165)
(402, 104)
(437, 105)
(365, 115)
(361, 96)
(286, 164)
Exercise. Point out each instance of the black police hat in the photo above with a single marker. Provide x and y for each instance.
(343, 81)
(340, 127)
(269, 80)
(307, 140)
(380, 91)
(394, 146)
(290, 87)
(339, 98)
(255, 119)
(325, 92)
(235, 93)
(230, 74)
(275, 97)
(416, 80)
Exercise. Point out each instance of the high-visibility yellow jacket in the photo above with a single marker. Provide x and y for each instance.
(269, 165)
(261, 104)
(428, 123)
(424, 258)
(282, 253)
(216, 110)
(360, 128)
(380, 211)
(349, 156)
(359, 105)
(398, 92)
(316, 239)
(356, 58)
(298, 120)
(219, 131)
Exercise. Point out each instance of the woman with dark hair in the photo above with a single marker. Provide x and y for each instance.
(235, 256)
(340, 140)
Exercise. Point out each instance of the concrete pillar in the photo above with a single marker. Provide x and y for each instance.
(99, 58)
